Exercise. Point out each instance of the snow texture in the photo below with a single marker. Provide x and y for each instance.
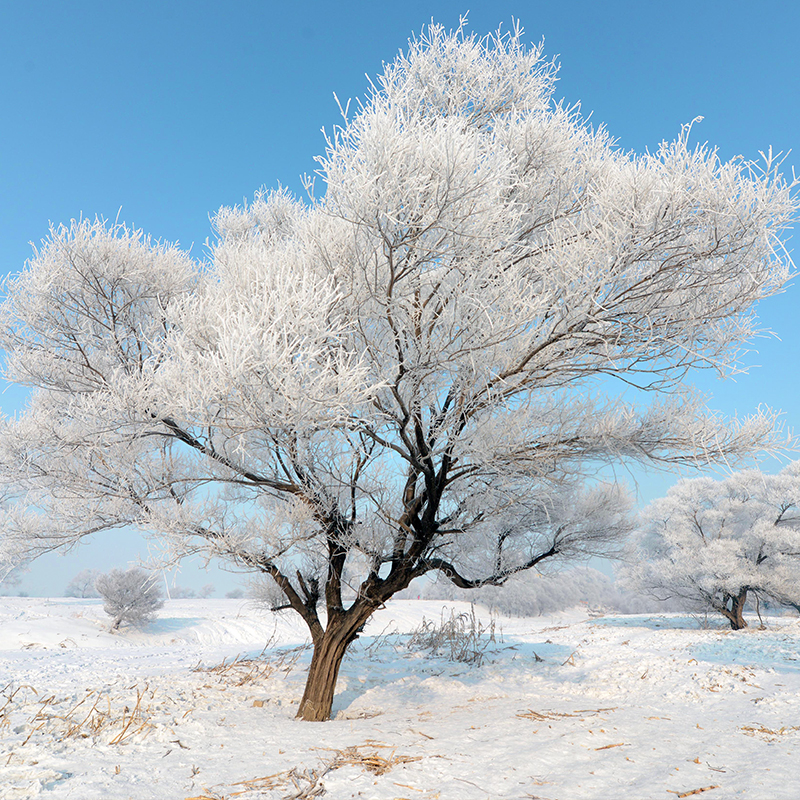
(565, 706)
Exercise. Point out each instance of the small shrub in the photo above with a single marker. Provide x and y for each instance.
(460, 637)
(130, 596)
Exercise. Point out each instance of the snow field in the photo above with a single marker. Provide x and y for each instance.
(617, 707)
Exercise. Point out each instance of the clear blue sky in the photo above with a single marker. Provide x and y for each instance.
(161, 112)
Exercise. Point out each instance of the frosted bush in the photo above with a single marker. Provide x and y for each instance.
(130, 596)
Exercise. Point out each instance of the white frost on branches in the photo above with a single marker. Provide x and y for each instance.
(714, 543)
(129, 596)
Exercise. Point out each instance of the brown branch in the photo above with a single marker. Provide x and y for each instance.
(498, 579)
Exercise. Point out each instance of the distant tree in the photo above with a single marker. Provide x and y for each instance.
(182, 593)
(130, 596)
(235, 594)
(83, 584)
(186, 593)
(415, 370)
(716, 543)
(532, 593)
(266, 592)
(10, 579)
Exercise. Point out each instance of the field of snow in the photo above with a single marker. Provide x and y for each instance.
(562, 707)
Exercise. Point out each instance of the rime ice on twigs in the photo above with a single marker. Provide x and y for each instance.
(130, 596)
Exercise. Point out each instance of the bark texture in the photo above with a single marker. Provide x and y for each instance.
(329, 651)
(734, 610)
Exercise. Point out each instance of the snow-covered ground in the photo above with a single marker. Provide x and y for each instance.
(562, 707)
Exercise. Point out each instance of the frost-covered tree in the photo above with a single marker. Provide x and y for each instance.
(130, 596)
(182, 593)
(10, 579)
(532, 593)
(185, 592)
(415, 369)
(715, 543)
(83, 584)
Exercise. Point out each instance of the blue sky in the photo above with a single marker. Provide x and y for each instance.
(161, 112)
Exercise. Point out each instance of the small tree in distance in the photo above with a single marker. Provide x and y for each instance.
(83, 584)
(716, 543)
(181, 593)
(10, 579)
(186, 593)
(413, 371)
(130, 596)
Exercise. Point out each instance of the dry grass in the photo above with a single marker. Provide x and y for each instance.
(244, 670)
(8, 694)
(768, 734)
(116, 715)
(691, 792)
(459, 637)
(94, 715)
(302, 785)
(374, 762)
(718, 678)
(306, 784)
(545, 716)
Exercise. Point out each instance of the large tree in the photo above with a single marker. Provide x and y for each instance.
(412, 371)
(715, 543)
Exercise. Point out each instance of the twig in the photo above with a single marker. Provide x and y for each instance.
(694, 791)
(594, 710)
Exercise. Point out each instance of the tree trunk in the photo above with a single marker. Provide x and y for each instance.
(736, 611)
(329, 651)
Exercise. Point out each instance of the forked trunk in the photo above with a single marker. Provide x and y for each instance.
(326, 659)
(735, 613)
